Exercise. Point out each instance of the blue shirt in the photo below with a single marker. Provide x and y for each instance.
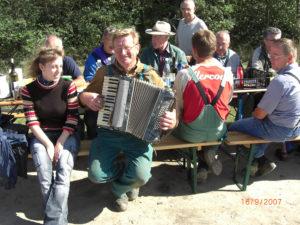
(282, 98)
(70, 67)
(91, 65)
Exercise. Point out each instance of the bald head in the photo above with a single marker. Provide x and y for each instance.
(187, 8)
(223, 42)
(52, 41)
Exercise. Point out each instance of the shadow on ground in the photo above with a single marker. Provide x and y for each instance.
(169, 178)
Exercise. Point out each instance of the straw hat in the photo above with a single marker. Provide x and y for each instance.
(160, 28)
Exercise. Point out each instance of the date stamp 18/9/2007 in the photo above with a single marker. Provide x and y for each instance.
(261, 201)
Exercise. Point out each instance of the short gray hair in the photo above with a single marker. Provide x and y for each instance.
(271, 31)
(224, 32)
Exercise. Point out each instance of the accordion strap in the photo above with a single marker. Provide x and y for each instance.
(141, 74)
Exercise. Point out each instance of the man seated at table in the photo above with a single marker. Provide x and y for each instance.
(105, 148)
(70, 67)
(161, 55)
(277, 115)
(203, 93)
(260, 59)
(224, 54)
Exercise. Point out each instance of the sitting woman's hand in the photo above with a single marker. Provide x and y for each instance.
(58, 147)
(168, 120)
(50, 150)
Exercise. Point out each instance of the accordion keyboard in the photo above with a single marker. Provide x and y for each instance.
(109, 92)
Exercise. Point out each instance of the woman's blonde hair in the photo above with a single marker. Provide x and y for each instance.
(44, 56)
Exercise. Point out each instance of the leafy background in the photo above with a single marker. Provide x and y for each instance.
(24, 24)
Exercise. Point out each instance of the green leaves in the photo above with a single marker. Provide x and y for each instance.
(24, 24)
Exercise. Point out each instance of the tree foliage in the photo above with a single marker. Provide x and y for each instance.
(24, 24)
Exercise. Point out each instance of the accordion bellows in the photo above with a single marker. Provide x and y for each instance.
(134, 106)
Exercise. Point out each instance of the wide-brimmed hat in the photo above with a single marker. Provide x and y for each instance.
(160, 28)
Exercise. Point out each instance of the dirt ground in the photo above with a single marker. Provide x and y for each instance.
(167, 198)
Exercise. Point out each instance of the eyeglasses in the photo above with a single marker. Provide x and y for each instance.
(186, 9)
(276, 56)
(125, 48)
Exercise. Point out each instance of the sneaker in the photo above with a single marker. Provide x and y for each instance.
(265, 168)
(121, 203)
(202, 175)
(214, 164)
(133, 194)
(253, 169)
(281, 155)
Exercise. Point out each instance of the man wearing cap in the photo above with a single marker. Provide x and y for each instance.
(187, 26)
(161, 55)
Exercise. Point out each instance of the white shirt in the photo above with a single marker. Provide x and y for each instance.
(185, 32)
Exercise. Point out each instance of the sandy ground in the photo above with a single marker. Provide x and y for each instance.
(167, 198)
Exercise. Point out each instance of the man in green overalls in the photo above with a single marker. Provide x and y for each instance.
(203, 93)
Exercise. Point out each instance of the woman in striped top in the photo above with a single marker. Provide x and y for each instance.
(51, 109)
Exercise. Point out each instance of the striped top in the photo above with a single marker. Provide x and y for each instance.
(53, 108)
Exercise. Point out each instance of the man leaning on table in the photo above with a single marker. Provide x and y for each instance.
(277, 116)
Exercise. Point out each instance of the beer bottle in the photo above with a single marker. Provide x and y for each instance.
(14, 80)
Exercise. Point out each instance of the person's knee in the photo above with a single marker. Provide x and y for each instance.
(142, 176)
(95, 177)
(63, 175)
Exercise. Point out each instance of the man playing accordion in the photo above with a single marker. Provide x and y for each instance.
(108, 144)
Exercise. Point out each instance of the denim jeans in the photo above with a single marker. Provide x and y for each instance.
(55, 188)
(264, 129)
(103, 166)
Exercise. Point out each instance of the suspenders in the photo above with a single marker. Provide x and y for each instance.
(141, 74)
(201, 90)
(289, 73)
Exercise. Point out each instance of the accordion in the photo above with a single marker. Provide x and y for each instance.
(134, 106)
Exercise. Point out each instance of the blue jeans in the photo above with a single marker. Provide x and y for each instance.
(264, 129)
(103, 166)
(55, 189)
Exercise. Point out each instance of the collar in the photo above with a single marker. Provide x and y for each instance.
(288, 68)
(136, 69)
(46, 84)
(190, 21)
(166, 52)
(216, 55)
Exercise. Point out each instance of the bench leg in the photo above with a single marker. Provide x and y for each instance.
(194, 159)
(248, 168)
(246, 177)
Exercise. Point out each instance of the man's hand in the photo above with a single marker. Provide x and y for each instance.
(92, 100)
(259, 113)
(168, 120)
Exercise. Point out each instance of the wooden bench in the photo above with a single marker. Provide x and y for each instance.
(238, 139)
(170, 142)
